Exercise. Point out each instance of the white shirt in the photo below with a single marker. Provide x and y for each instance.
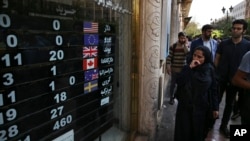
(207, 44)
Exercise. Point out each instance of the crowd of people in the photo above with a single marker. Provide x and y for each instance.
(201, 72)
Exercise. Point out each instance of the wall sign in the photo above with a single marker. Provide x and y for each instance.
(56, 72)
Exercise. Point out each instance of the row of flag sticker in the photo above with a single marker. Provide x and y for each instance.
(90, 54)
(90, 59)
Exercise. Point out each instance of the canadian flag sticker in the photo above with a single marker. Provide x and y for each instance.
(90, 63)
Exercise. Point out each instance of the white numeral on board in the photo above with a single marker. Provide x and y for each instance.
(7, 59)
(12, 96)
(56, 25)
(60, 97)
(9, 79)
(1, 100)
(53, 69)
(11, 114)
(62, 122)
(59, 40)
(11, 41)
(4, 20)
(1, 119)
(10, 133)
(56, 55)
(52, 85)
(72, 80)
(56, 112)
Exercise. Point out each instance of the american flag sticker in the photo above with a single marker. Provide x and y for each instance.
(89, 51)
(90, 27)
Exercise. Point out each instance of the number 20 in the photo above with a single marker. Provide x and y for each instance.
(56, 55)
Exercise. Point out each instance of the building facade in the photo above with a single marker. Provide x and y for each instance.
(239, 10)
(83, 69)
(247, 14)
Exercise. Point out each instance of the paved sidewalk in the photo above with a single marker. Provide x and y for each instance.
(165, 130)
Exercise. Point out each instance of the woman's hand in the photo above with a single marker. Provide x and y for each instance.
(194, 63)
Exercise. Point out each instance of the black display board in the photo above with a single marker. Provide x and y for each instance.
(56, 72)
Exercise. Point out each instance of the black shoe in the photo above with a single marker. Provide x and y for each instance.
(225, 132)
(171, 102)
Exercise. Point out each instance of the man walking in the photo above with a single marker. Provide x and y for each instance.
(176, 60)
(228, 57)
(205, 40)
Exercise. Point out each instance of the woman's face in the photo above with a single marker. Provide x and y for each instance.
(198, 55)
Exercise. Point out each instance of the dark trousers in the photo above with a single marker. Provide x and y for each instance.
(244, 100)
(174, 76)
(245, 116)
(236, 106)
(231, 92)
(222, 88)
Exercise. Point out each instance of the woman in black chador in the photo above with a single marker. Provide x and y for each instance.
(197, 97)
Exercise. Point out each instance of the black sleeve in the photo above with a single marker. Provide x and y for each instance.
(214, 91)
(184, 76)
